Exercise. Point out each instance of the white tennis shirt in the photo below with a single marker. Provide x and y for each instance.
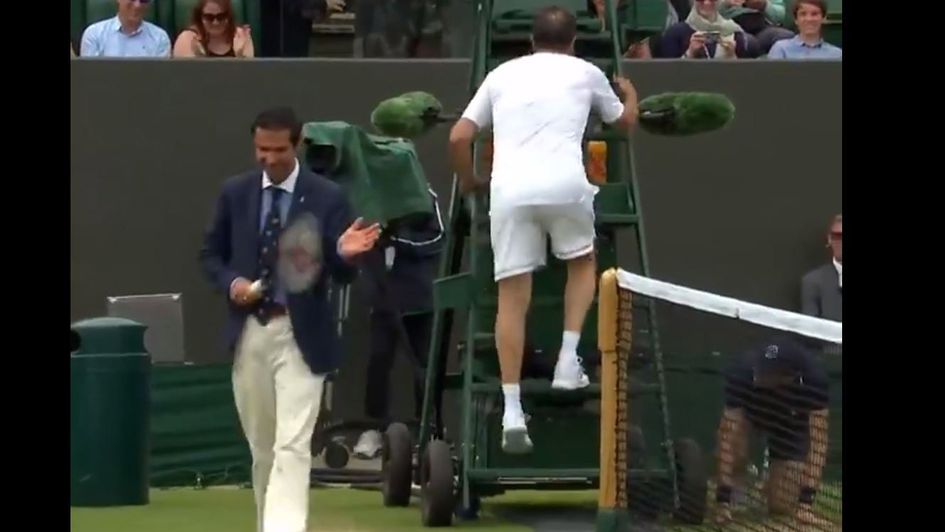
(538, 106)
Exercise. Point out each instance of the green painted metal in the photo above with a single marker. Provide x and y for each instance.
(465, 295)
(110, 413)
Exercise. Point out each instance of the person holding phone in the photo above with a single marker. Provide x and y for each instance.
(705, 34)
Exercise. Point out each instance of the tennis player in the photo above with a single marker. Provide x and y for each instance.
(538, 107)
(780, 391)
(282, 333)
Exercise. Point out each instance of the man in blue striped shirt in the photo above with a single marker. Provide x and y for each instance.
(126, 35)
(809, 43)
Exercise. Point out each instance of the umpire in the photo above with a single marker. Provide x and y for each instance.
(400, 271)
(777, 389)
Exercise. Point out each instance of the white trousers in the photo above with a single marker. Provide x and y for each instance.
(278, 400)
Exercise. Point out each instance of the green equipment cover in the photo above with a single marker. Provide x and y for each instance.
(381, 175)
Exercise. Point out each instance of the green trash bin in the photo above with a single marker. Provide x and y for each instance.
(111, 406)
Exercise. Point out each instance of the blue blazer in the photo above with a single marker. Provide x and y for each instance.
(230, 250)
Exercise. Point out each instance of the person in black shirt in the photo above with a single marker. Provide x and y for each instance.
(399, 276)
(778, 389)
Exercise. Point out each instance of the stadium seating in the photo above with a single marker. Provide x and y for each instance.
(640, 19)
(516, 15)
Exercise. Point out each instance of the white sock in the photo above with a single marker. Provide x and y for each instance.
(513, 399)
(569, 343)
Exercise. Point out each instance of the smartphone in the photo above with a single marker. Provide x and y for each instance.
(712, 35)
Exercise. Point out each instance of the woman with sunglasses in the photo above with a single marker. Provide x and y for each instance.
(213, 33)
(705, 34)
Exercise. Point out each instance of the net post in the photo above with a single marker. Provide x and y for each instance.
(611, 508)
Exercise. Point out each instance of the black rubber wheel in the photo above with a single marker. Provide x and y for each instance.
(437, 499)
(692, 482)
(396, 465)
(336, 455)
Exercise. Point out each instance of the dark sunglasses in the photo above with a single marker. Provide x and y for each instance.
(216, 17)
(836, 235)
(143, 2)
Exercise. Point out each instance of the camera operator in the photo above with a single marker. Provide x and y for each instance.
(400, 271)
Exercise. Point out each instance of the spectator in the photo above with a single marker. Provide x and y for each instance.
(213, 33)
(400, 271)
(287, 25)
(705, 34)
(760, 19)
(822, 288)
(781, 391)
(381, 28)
(809, 17)
(126, 35)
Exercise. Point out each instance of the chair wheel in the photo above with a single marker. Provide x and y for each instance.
(397, 465)
(336, 455)
(437, 487)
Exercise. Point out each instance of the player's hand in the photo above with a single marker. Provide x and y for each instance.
(335, 5)
(358, 239)
(242, 294)
(696, 43)
(626, 87)
(475, 184)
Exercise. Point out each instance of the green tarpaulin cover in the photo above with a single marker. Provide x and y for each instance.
(382, 175)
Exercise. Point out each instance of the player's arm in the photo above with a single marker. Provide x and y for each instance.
(732, 434)
(817, 390)
(817, 456)
(610, 108)
(478, 115)
(730, 439)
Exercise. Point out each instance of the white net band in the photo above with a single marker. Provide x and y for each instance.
(827, 330)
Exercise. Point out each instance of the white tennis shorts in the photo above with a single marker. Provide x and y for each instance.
(520, 235)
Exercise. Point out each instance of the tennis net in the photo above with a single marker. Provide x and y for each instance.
(729, 418)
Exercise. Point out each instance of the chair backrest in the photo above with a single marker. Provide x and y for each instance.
(647, 16)
(508, 7)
